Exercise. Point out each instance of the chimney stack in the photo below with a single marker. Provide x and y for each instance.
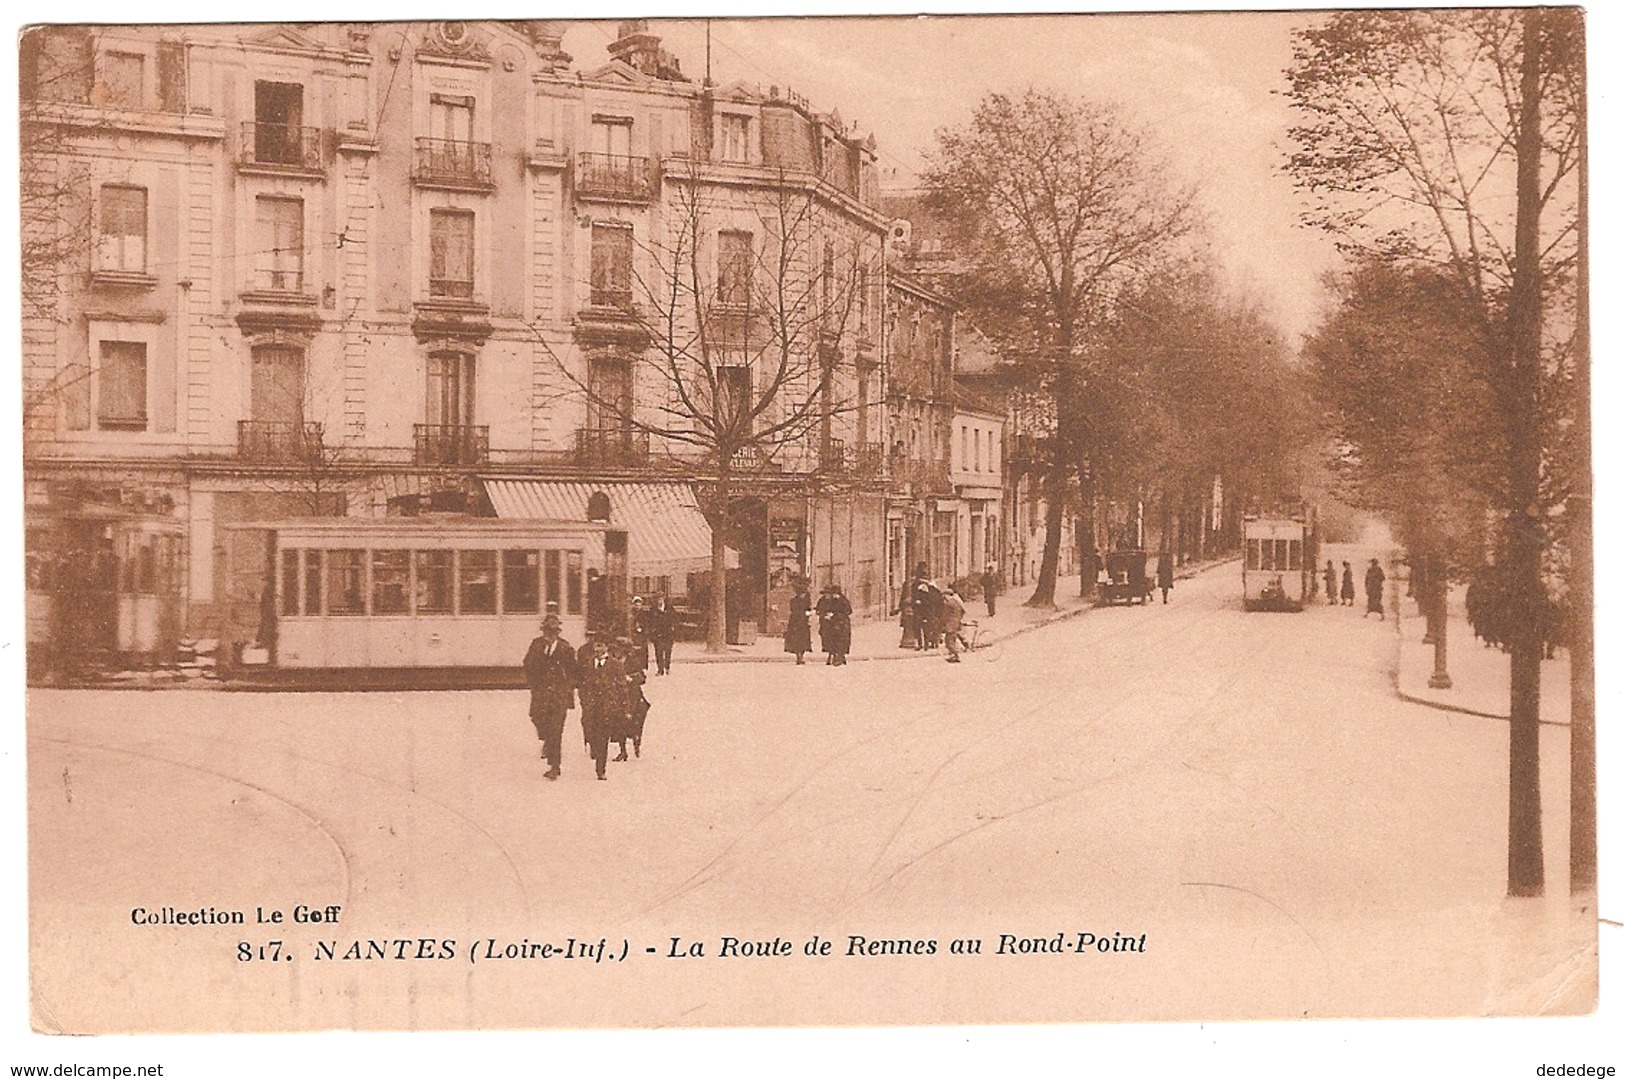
(640, 49)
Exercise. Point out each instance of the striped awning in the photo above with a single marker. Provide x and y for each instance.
(667, 533)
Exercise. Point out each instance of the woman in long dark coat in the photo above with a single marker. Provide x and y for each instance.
(797, 631)
(835, 625)
(1347, 591)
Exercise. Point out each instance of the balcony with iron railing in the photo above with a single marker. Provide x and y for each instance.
(451, 444)
(449, 163)
(868, 458)
(279, 280)
(925, 474)
(281, 148)
(614, 177)
(612, 447)
(832, 456)
(273, 441)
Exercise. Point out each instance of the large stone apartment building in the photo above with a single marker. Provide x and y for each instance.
(369, 270)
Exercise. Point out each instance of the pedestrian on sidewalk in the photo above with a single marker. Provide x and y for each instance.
(1329, 574)
(661, 623)
(953, 620)
(602, 689)
(550, 670)
(1374, 578)
(990, 587)
(834, 625)
(798, 631)
(1347, 591)
(1165, 572)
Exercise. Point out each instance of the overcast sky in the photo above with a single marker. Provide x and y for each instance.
(1205, 84)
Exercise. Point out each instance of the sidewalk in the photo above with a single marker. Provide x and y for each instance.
(879, 639)
(1480, 677)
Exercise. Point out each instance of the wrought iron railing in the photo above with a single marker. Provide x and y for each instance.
(868, 458)
(451, 444)
(924, 473)
(453, 288)
(448, 161)
(284, 145)
(278, 440)
(612, 447)
(279, 280)
(614, 176)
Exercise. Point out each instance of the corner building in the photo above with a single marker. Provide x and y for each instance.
(359, 271)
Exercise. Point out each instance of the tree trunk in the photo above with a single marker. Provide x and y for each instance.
(1525, 534)
(1088, 564)
(1055, 494)
(716, 630)
(1582, 660)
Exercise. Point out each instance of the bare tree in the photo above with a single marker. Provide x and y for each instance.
(746, 308)
(1451, 138)
(1056, 204)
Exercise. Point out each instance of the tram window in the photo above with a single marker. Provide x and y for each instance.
(555, 581)
(345, 571)
(290, 582)
(477, 581)
(519, 582)
(572, 581)
(434, 581)
(391, 576)
(313, 582)
(1294, 554)
(1253, 554)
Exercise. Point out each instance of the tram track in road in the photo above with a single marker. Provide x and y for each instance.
(304, 812)
(753, 843)
(324, 824)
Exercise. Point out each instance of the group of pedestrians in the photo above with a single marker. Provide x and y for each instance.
(605, 677)
(932, 615)
(834, 614)
(1340, 589)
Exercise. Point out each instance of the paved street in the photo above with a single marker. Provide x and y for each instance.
(1245, 790)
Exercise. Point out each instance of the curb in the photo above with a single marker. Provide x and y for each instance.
(1441, 706)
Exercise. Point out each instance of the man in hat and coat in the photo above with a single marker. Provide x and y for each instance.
(1165, 572)
(602, 688)
(550, 669)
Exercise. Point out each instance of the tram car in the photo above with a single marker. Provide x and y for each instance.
(391, 593)
(1278, 567)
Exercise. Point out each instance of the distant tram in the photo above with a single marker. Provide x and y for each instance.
(1278, 563)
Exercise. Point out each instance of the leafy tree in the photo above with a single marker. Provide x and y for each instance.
(1057, 205)
(1450, 138)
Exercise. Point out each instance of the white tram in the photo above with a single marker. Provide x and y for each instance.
(1277, 568)
(432, 592)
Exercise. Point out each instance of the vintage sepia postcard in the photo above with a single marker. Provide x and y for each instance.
(807, 522)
